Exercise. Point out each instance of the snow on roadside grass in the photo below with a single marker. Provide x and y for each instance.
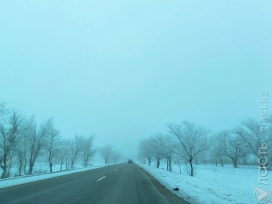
(13, 181)
(203, 189)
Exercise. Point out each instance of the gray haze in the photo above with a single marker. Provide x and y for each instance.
(123, 69)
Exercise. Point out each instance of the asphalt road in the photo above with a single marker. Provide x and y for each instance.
(115, 184)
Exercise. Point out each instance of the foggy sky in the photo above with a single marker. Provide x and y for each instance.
(123, 69)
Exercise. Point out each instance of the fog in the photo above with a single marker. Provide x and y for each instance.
(122, 70)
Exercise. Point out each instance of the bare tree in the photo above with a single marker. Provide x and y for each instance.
(66, 153)
(156, 143)
(221, 160)
(87, 149)
(251, 132)
(215, 152)
(36, 140)
(178, 160)
(141, 158)
(167, 144)
(162, 147)
(106, 152)
(232, 146)
(116, 156)
(10, 133)
(191, 141)
(52, 142)
(63, 152)
(145, 150)
(75, 148)
(21, 153)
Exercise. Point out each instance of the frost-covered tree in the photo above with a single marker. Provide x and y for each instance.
(10, 135)
(36, 137)
(75, 148)
(156, 147)
(252, 134)
(52, 142)
(232, 146)
(145, 150)
(116, 156)
(87, 149)
(191, 140)
(106, 152)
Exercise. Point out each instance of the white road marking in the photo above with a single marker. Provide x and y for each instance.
(116, 170)
(100, 179)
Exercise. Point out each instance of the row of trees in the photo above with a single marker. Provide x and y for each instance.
(109, 154)
(184, 141)
(191, 144)
(22, 141)
(243, 143)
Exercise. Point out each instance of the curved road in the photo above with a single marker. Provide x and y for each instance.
(114, 184)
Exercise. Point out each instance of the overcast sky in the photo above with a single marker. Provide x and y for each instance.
(123, 69)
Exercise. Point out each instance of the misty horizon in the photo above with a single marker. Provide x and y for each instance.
(123, 74)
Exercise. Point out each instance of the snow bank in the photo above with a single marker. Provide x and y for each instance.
(211, 184)
(13, 181)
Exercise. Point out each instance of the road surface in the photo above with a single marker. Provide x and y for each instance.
(114, 184)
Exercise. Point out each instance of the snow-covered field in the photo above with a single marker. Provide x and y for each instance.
(211, 184)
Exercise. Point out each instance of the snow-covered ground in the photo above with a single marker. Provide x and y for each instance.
(211, 184)
(41, 172)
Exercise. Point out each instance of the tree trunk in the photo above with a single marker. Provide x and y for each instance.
(4, 167)
(31, 163)
(235, 161)
(179, 168)
(10, 165)
(20, 167)
(149, 161)
(3, 174)
(61, 161)
(170, 164)
(158, 163)
(167, 163)
(20, 171)
(222, 162)
(72, 163)
(25, 166)
(192, 168)
(30, 168)
(50, 161)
